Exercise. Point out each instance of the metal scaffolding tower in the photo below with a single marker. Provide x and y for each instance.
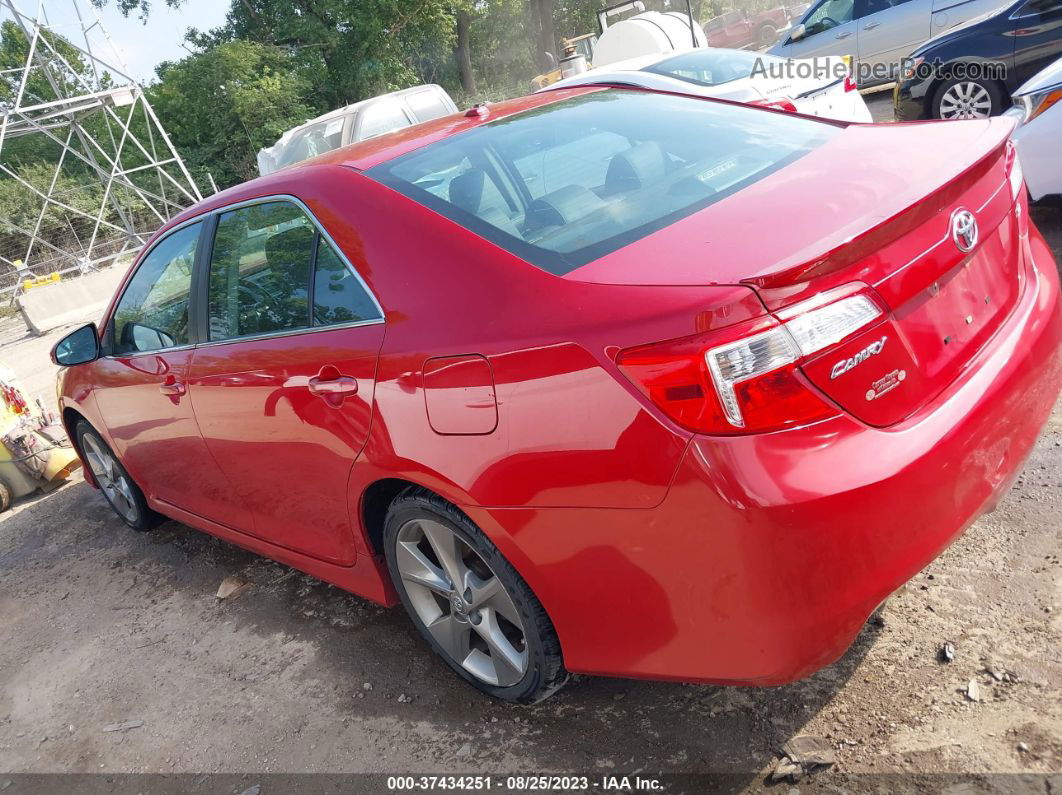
(83, 157)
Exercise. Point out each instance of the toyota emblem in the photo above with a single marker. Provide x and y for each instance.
(964, 229)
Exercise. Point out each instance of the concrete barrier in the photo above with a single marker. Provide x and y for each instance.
(71, 300)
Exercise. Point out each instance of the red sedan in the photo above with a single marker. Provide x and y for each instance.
(602, 380)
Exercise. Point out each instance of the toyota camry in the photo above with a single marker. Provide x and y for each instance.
(601, 380)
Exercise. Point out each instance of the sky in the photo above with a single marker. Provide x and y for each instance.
(141, 46)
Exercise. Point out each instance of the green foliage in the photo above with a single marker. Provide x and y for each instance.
(220, 107)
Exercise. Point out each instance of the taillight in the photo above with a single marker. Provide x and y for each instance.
(745, 379)
(1014, 173)
(849, 83)
(784, 103)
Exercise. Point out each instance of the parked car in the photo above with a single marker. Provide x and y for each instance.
(971, 72)
(357, 122)
(585, 391)
(739, 75)
(878, 34)
(738, 28)
(1038, 109)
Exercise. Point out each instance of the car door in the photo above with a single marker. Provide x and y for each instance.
(829, 29)
(888, 31)
(1037, 38)
(142, 379)
(283, 384)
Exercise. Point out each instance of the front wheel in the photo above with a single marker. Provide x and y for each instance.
(962, 98)
(123, 495)
(469, 603)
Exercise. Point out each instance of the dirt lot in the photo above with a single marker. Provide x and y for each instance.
(99, 625)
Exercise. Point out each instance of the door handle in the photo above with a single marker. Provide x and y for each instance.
(172, 387)
(342, 385)
(871, 25)
(843, 35)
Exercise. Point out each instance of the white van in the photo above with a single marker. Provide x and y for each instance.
(365, 119)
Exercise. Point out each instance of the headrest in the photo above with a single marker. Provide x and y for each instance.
(635, 168)
(476, 193)
(562, 207)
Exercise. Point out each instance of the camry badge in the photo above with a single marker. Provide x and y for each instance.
(964, 229)
(843, 366)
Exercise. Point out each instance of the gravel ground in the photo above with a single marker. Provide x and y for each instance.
(99, 626)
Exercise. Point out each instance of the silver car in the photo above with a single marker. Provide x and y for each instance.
(877, 34)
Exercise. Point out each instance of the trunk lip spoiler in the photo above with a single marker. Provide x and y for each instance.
(889, 229)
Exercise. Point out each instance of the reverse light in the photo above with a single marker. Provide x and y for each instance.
(783, 103)
(748, 383)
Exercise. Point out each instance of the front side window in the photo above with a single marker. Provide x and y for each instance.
(313, 141)
(566, 183)
(829, 14)
(153, 311)
(270, 266)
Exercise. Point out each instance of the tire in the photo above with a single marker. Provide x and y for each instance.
(517, 661)
(5, 496)
(965, 98)
(118, 488)
(767, 35)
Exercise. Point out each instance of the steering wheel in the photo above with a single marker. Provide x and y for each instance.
(832, 23)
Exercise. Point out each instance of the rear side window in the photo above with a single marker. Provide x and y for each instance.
(272, 271)
(260, 271)
(710, 67)
(427, 105)
(338, 296)
(381, 117)
(153, 311)
(567, 183)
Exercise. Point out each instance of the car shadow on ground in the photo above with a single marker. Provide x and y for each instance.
(155, 593)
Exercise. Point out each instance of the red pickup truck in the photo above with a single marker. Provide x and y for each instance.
(737, 29)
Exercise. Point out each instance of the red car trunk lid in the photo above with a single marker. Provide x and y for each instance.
(874, 207)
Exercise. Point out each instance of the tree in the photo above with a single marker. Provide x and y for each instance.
(462, 49)
(223, 105)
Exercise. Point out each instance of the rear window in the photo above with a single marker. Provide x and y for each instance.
(567, 183)
(710, 67)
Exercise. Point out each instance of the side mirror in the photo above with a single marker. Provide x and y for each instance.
(78, 347)
(798, 32)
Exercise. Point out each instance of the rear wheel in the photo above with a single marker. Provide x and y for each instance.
(967, 99)
(469, 603)
(123, 495)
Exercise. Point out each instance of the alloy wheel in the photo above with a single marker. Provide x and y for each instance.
(461, 602)
(967, 100)
(113, 482)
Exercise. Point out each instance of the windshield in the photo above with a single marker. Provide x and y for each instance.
(711, 68)
(567, 183)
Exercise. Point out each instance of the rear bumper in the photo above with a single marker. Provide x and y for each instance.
(769, 552)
